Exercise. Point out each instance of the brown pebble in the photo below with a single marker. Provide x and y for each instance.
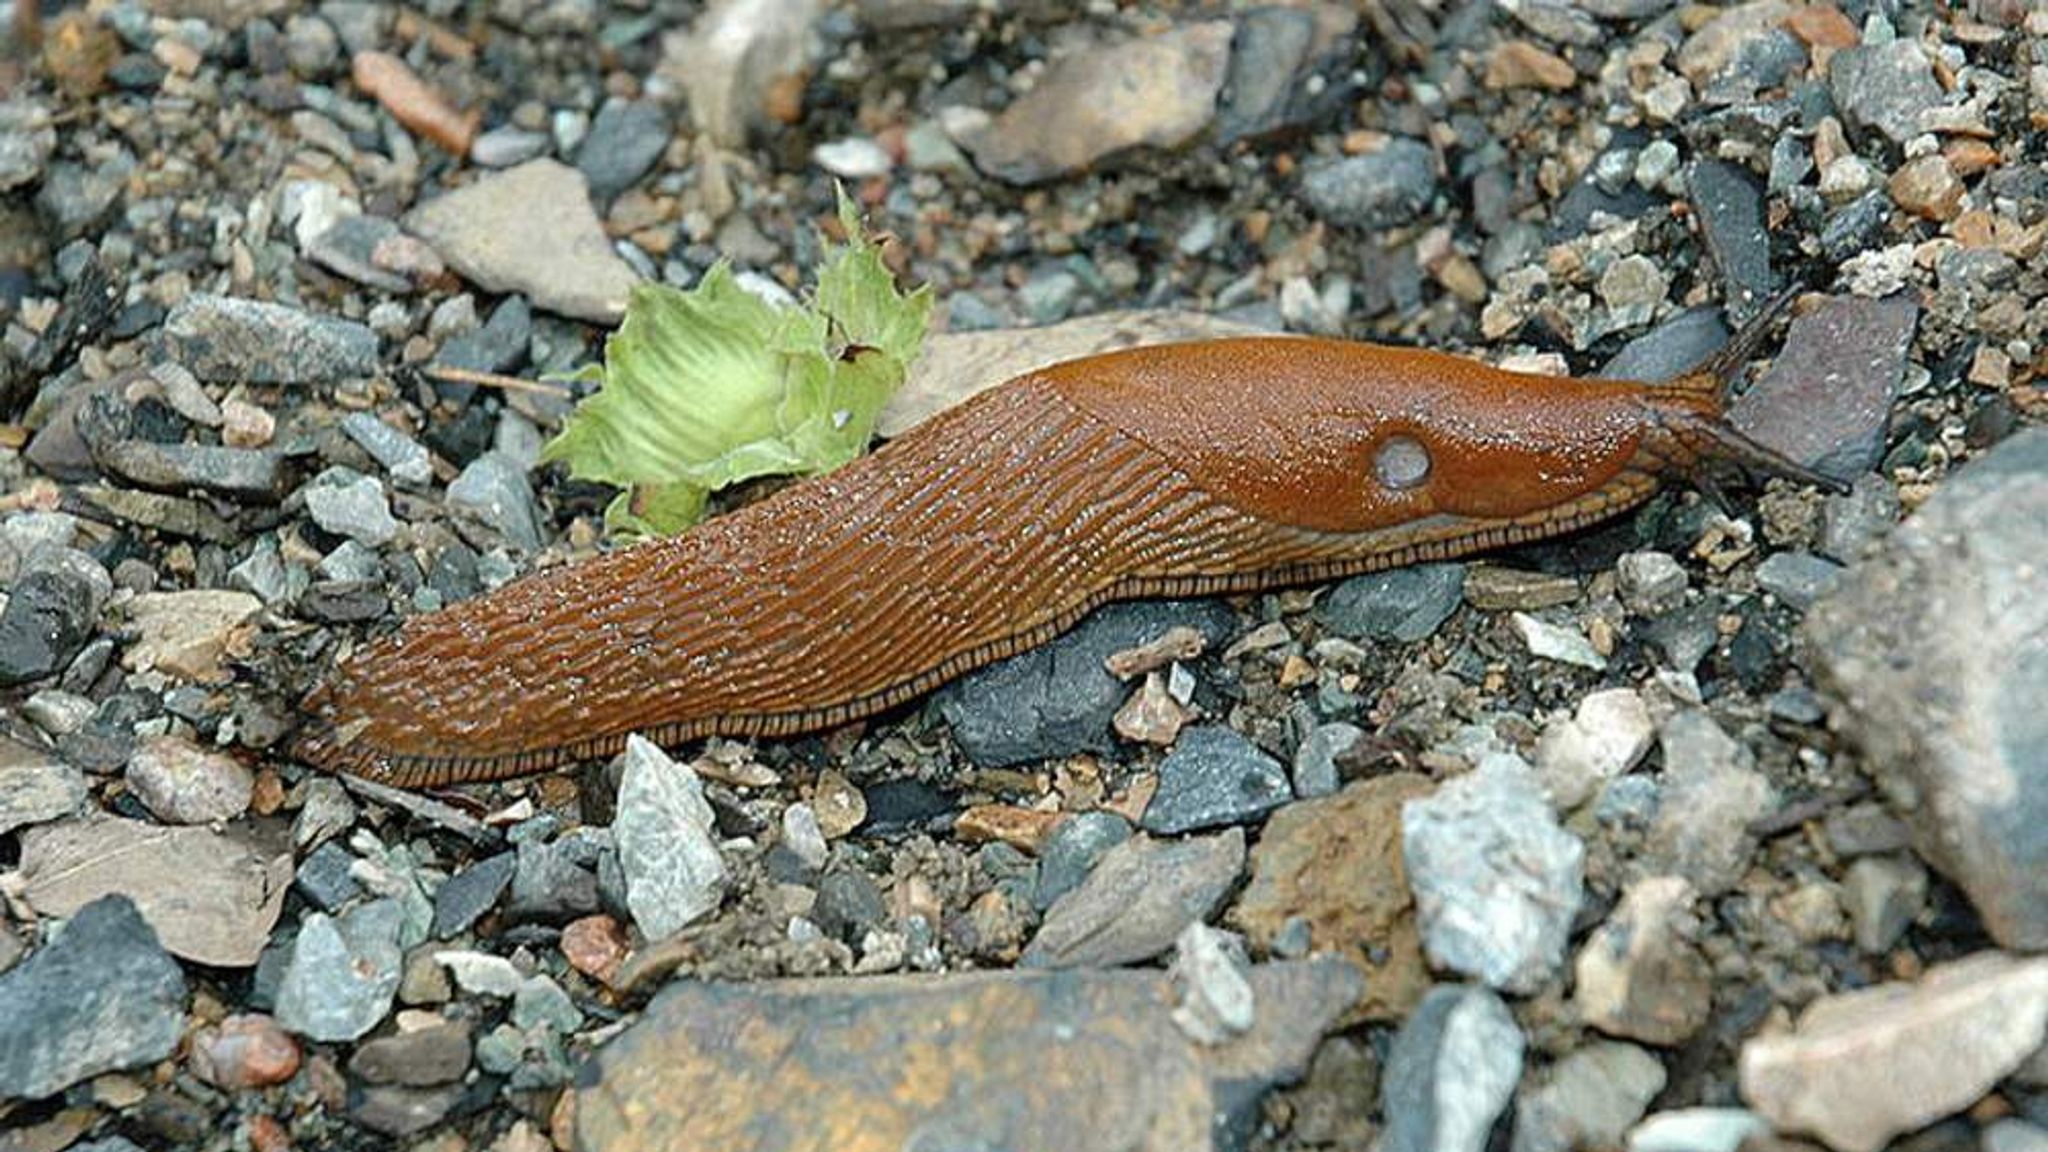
(1823, 26)
(244, 425)
(1024, 829)
(268, 1134)
(246, 1051)
(1926, 187)
(839, 805)
(268, 794)
(1968, 157)
(413, 102)
(78, 51)
(1520, 64)
(1179, 642)
(595, 946)
(1151, 715)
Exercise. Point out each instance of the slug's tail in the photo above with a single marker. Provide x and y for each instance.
(1697, 416)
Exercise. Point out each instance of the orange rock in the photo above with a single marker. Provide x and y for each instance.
(1823, 26)
(1024, 829)
(1520, 64)
(1968, 157)
(1335, 862)
(413, 102)
(595, 946)
(1926, 187)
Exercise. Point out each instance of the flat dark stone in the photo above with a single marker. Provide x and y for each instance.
(1058, 699)
(1730, 203)
(1671, 349)
(466, 896)
(1826, 400)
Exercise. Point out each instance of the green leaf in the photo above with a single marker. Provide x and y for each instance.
(710, 386)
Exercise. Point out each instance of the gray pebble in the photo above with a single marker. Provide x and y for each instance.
(1933, 645)
(231, 340)
(343, 973)
(464, 897)
(1589, 1099)
(1711, 791)
(400, 455)
(1650, 583)
(51, 612)
(1798, 578)
(541, 1003)
(1138, 899)
(348, 503)
(1671, 349)
(1450, 1073)
(1852, 524)
(1076, 845)
(495, 492)
(102, 996)
(1401, 604)
(850, 905)
(505, 146)
(1315, 762)
(1884, 89)
(1214, 776)
(323, 877)
(673, 872)
(498, 345)
(626, 138)
(1380, 190)
(1058, 699)
(1496, 881)
(35, 786)
(1731, 210)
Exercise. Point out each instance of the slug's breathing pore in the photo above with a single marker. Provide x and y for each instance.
(1186, 469)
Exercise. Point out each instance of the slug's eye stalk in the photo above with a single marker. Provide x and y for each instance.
(1709, 439)
(1691, 414)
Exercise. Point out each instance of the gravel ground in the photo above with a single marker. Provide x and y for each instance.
(1724, 822)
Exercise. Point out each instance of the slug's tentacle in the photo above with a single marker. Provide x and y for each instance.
(1179, 470)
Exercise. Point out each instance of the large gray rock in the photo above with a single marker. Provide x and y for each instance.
(103, 995)
(231, 339)
(530, 230)
(1935, 650)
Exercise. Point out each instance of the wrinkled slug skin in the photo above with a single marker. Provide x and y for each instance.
(1173, 470)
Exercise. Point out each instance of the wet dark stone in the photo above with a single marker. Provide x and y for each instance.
(497, 345)
(464, 898)
(323, 877)
(1672, 348)
(1574, 214)
(1855, 227)
(901, 805)
(1730, 204)
(849, 904)
(1057, 700)
(1826, 400)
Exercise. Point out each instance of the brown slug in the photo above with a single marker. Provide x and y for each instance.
(1174, 470)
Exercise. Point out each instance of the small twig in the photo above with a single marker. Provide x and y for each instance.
(448, 375)
(433, 811)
